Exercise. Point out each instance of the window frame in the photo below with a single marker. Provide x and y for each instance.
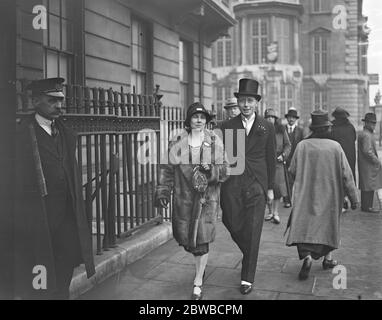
(322, 96)
(189, 82)
(262, 48)
(68, 53)
(285, 101)
(148, 49)
(323, 55)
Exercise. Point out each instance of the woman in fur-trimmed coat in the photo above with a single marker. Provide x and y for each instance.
(194, 214)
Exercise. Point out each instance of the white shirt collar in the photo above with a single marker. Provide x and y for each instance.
(44, 123)
(248, 123)
(292, 127)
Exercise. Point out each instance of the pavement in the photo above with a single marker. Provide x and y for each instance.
(167, 272)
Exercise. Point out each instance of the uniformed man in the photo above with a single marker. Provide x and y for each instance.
(51, 228)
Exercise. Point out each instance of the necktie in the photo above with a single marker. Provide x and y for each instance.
(246, 126)
(54, 129)
(290, 130)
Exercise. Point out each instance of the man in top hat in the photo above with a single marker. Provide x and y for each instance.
(51, 228)
(369, 165)
(322, 178)
(244, 196)
(295, 135)
(232, 109)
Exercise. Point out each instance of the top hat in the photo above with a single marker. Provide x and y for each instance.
(370, 117)
(196, 107)
(52, 87)
(320, 118)
(230, 103)
(292, 113)
(340, 113)
(248, 87)
(270, 113)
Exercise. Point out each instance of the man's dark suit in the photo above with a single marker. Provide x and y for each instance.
(243, 197)
(294, 137)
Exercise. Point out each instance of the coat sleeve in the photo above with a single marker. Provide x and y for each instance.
(165, 181)
(367, 150)
(348, 179)
(271, 157)
(220, 168)
(286, 146)
(293, 162)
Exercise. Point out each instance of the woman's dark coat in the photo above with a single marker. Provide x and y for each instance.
(177, 177)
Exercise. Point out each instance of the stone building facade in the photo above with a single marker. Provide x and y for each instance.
(320, 61)
(123, 43)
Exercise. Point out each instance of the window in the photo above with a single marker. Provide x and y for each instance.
(259, 40)
(286, 97)
(185, 70)
(222, 95)
(284, 38)
(223, 52)
(320, 99)
(58, 40)
(139, 56)
(363, 59)
(320, 54)
(317, 6)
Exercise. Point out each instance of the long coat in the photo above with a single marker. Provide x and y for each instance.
(369, 165)
(33, 241)
(344, 133)
(322, 178)
(177, 177)
(283, 147)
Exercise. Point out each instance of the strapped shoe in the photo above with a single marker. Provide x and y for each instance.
(329, 264)
(276, 220)
(197, 296)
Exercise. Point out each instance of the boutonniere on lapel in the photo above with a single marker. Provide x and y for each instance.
(260, 130)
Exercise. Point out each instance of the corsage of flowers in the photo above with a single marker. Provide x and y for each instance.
(260, 130)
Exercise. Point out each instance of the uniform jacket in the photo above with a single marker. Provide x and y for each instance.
(177, 177)
(369, 166)
(322, 178)
(32, 234)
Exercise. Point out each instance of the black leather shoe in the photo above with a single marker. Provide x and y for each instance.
(329, 264)
(305, 269)
(245, 289)
(195, 296)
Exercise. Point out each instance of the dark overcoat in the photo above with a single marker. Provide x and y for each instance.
(295, 137)
(177, 175)
(33, 241)
(344, 133)
(369, 165)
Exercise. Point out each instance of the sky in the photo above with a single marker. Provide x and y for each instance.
(373, 10)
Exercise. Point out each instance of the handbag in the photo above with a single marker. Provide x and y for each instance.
(199, 180)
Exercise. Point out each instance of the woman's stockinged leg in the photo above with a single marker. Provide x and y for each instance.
(200, 264)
